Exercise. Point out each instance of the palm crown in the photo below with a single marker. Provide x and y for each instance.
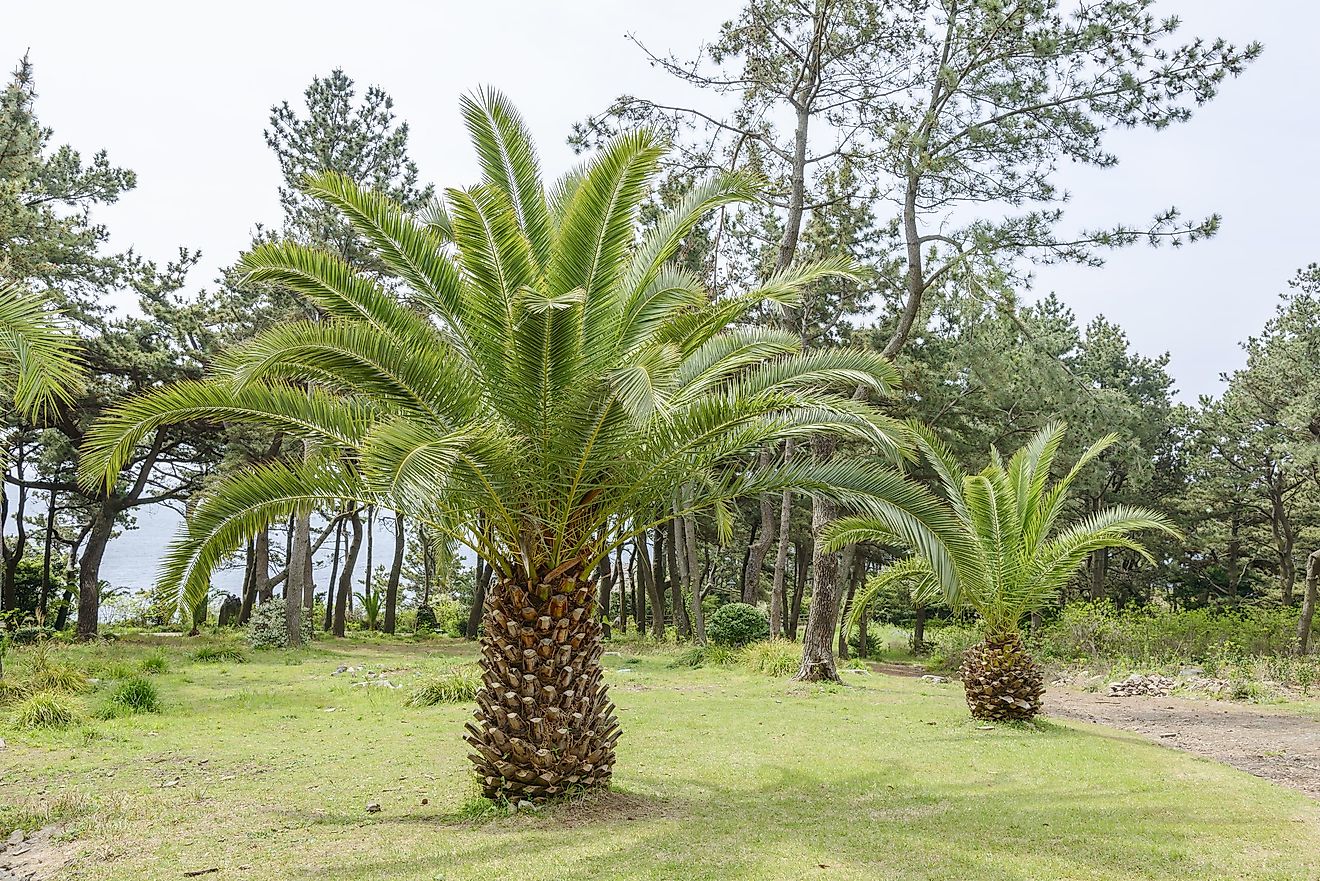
(528, 357)
(1007, 554)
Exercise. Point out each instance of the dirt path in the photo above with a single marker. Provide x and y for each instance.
(1270, 744)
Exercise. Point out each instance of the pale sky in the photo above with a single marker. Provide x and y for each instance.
(180, 92)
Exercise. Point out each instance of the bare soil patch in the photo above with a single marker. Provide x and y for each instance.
(1276, 745)
(36, 857)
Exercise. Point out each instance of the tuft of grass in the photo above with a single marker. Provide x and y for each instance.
(58, 678)
(772, 657)
(134, 695)
(692, 656)
(33, 814)
(45, 709)
(458, 685)
(154, 662)
(220, 654)
(116, 671)
(12, 690)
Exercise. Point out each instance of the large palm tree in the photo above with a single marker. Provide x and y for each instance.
(1007, 556)
(40, 368)
(534, 379)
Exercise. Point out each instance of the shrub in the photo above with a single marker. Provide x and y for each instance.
(154, 662)
(11, 690)
(772, 657)
(951, 642)
(136, 694)
(266, 628)
(457, 685)
(220, 654)
(116, 670)
(736, 625)
(425, 621)
(45, 709)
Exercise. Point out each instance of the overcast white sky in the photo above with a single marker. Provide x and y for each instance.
(180, 92)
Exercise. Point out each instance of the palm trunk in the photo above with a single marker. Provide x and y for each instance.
(544, 723)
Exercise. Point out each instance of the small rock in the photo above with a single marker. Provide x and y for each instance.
(169, 783)
(1137, 685)
(935, 679)
(342, 668)
(15, 837)
(373, 807)
(525, 805)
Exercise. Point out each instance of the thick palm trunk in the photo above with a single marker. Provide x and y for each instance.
(544, 724)
(1001, 681)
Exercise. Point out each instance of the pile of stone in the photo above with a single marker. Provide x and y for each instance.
(1137, 685)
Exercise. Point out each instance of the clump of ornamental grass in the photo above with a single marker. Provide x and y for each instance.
(772, 657)
(453, 686)
(154, 661)
(135, 694)
(45, 709)
(220, 654)
(59, 678)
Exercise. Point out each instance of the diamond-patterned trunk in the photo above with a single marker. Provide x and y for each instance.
(1001, 680)
(544, 724)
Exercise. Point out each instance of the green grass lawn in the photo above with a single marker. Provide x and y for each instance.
(264, 770)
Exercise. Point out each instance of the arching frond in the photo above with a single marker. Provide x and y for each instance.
(40, 364)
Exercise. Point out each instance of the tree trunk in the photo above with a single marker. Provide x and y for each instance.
(605, 583)
(818, 638)
(919, 631)
(396, 570)
(777, 600)
(1312, 589)
(247, 595)
(646, 573)
(89, 571)
(260, 575)
(346, 574)
(760, 547)
(801, 566)
(1099, 573)
(692, 572)
(544, 723)
(676, 579)
(479, 589)
(849, 566)
(296, 581)
(331, 600)
(46, 554)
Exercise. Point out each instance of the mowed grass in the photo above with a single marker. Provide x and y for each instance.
(264, 770)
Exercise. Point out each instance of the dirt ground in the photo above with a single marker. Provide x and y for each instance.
(1273, 744)
(1269, 743)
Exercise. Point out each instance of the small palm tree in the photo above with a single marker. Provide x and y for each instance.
(371, 602)
(40, 368)
(1007, 556)
(534, 380)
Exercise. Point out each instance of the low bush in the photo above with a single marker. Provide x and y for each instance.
(949, 644)
(772, 657)
(737, 625)
(453, 686)
(45, 709)
(136, 694)
(266, 629)
(1153, 637)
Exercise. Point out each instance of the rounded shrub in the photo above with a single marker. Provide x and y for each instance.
(426, 622)
(223, 653)
(45, 709)
(266, 628)
(736, 625)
